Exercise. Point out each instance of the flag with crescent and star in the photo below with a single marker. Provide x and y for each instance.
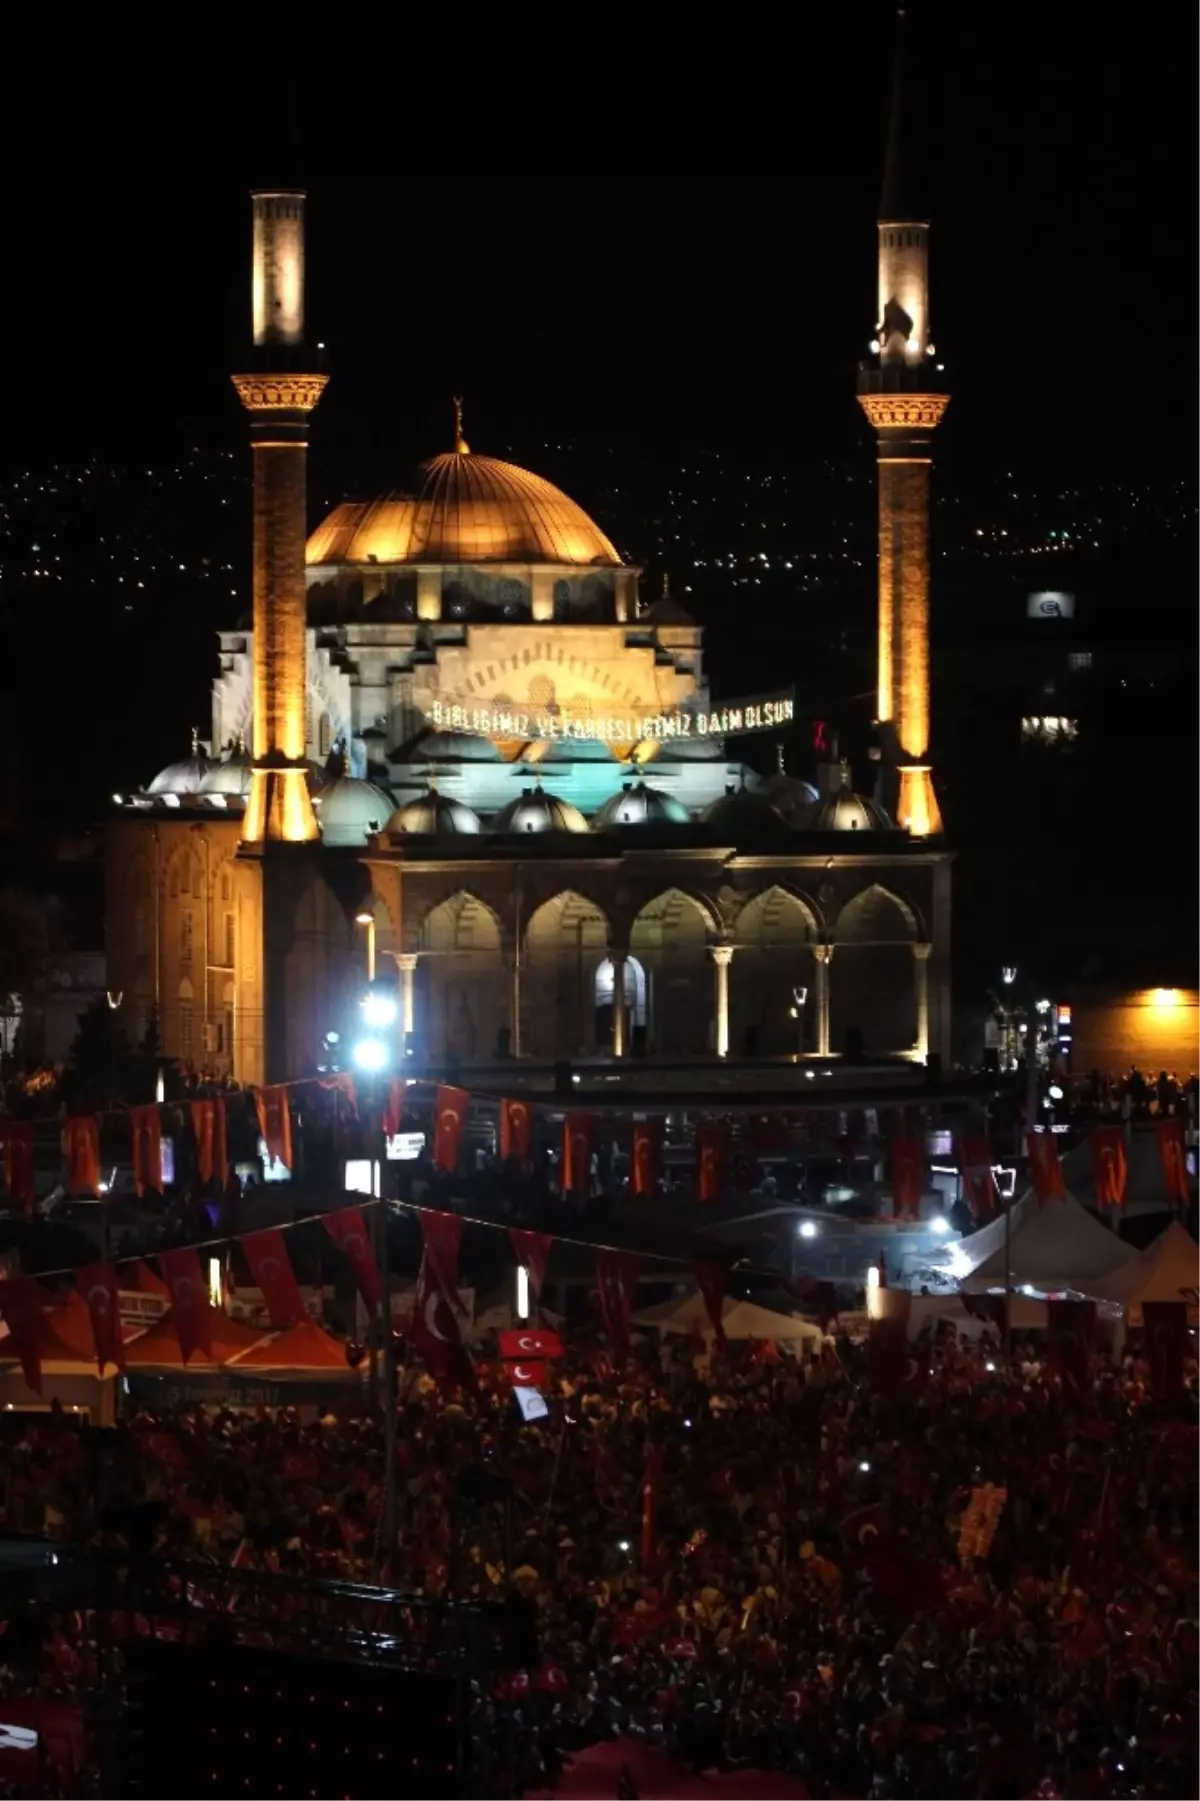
(271, 1268)
(908, 1177)
(208, 1130)
(516, 1131)
(436, 1336)
(449, 1118)
(579, 1137)
(275, 1122)
(1109, 1165)
(442, 1236)
(190, 1309)
(348, 1230)
(646, 1159)
(81, 1140)
(145, 1131)
(533, 1250)
(712, 1157)
(1045, 1171)
(97, 1283)
(1169, 1133)
(393, 1107)
(979, 1184)
(617, 1275)
(524, 1342)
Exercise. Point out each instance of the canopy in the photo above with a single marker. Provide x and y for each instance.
(1055, 1246)
(303, 1347)
(72, 1323)
(1167, 1270)
(741, 1319)
(159, 1347)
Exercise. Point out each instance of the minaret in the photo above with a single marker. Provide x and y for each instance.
(279, 398)
(904, 399)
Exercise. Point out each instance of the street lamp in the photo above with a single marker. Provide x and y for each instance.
(370, 1055)
(378, 1007)
(1008, 974)
(367, 919)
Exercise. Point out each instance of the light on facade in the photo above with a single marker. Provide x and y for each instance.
(370, 1055)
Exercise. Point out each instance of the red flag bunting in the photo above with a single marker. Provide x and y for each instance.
(1070, 1335)
(271, 1268)
(979, 1184)
(528, 1375)
(1166, 1329)
(16, 1135)
(275, 1122)
(712, 1280)
(81, 1137)
(1174, 1159)
(442, 1234)
(712, 1156)
(579, 1136)
(450, 1114)
(348, 1230)
(21, 1310)
(97, 1283)
(145, 1128)
(908, 1177)
(533, 1250)
(190, 1307)
(516, 1131)
(530, 1341)
(646, 1160)
(1109, 1165)
(208, 1128)
(342, 1083)
(393, 1107)
(617, 1273)
(1044, 1170)
(436, 1335)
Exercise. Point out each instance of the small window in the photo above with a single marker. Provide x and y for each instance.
(185, 1031)
(226, 885)
(230, 942)
(1079, 659)
(187, 930)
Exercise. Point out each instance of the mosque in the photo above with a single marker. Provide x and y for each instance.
(458, 749)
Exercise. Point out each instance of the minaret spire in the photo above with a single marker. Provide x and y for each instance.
(461, 447)
(894, 200)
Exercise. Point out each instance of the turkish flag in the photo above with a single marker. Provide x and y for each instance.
(436, 1336)
(979, 1184)
(533, 1250)
(712, 1155)
(712, 1280)
(190, 1307)
(442, 1233)
(393, 1107)
(646, 1161)
(1166, 1329)
(1070, 1336)
(21, 1310)
(524, 1342)
(275, 1122)
(342, 1083)
(908, 1177)
(516, 1131)
(208, 1128)
(1109, 1165)
(1044, 1170)
(16, 1135)
(145, 1129)
(1174, 1159)
(579, 1137)
(81, 1140)
(528, 1375)
(348, 1230)
(450, 1114)
(271, 1267)
(97, 1283)
(617, 1273)
(887, 1340)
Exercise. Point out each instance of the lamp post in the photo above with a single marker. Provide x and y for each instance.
(371, 1056)
(366, 919)
(799, 999)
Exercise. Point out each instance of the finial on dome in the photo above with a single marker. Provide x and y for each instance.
(240, 745)
(195, 740)
(666, 593)
(844, 771)
(780, 764)
(461, 447)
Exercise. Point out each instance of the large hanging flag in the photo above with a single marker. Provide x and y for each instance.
(97, 1283)
(712, 1280)
(1109, 1165)
(81, 1140)
(208, 1129)
(442, 1235)
(979, 1184)
(393, 1106)
(21, 1310)
(533, 1250)
(1174, 1159)
(436, 1335)
(450, 1116)
(271, 1268)
(617, 1274)
(275, 1122)
(712, 1157)
(348, 1230)
(190, 1309)
(522, 1342)
(646, 1160)
(1070, 1337)
(908, 1177)
(1166, 1327)
(16, 1135)
(516, 1132)
(579, 1138)
(1045, 1171)
(145, 1130)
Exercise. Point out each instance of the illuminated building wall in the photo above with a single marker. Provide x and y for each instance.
(1154, 1028)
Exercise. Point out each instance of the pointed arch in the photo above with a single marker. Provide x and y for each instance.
(772, 964)
(877, 915)
(668, 937)
(565, 940)
(872, 981)
(462, 999)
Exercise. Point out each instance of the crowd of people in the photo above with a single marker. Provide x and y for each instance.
(750, 1562)
(1136, 1095)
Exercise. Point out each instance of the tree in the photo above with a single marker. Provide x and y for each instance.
(101, 1059)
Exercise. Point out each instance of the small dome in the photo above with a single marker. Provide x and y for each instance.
(846, 811)
(536, 811)
(231, 777)
(794, 797)
(185, 777)
(350, 811)
(453, 747)
(637, 804)
(433, 815)
(744, 813)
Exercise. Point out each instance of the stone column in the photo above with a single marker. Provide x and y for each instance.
(722, 956)
(921, 955)
(620, 1032)
(406, 963)
(823, 957)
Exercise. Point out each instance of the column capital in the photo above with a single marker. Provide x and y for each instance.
(406, 961)
(823, 953)
(279, 393)
(721, 954)
(922, 952)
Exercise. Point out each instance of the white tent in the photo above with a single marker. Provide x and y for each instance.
(1055, 1246)
(741, 1319)
(1167, 1270)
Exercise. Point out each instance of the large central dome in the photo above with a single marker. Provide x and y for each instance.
(468, 509)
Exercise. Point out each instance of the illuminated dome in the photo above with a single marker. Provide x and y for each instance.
(536, 811)
(350, 811)
(184, 777)
(454, 747)
(741, 813)
(468, 509)
(433, 815)
(846, 811)
(232, 777)
(793, 797)
(636, 804)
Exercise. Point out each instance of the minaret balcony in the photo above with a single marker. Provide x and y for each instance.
(876, 377)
